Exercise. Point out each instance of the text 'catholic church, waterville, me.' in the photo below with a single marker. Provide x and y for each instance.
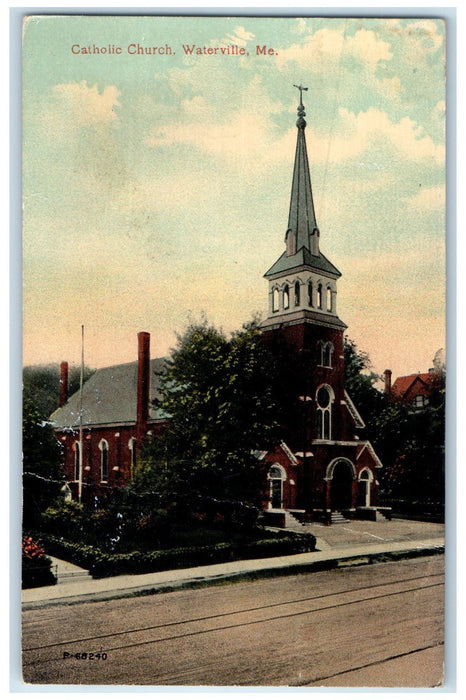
(323, 468)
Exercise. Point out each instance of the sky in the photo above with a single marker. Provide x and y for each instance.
(156, 186)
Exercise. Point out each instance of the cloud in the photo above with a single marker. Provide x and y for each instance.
(86, 105)
(356, 134)
(330, 45)
(240, 36)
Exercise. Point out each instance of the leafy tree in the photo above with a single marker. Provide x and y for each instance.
(41, 386)
(42, 476)
(412, 448)
(219, 394)
(360, 384)
(410, 444)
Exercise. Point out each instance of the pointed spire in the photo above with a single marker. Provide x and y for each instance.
(302, 225)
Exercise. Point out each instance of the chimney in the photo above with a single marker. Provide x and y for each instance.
(388, 381)
(143, 389)
(63, 384)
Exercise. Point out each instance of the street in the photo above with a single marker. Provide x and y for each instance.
(378, 625)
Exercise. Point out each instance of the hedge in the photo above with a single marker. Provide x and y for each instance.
(101, 564)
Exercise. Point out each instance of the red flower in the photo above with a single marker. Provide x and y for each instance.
(31, 549)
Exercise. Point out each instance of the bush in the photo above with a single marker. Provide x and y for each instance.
(81, 555)
(101, 564)
(36, 567)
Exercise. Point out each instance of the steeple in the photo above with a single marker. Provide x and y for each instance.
(302, 282)
(302, 226)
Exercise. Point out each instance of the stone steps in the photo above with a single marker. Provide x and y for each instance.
(337, 518)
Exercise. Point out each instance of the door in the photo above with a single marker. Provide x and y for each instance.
(342, 486)
(276, 493)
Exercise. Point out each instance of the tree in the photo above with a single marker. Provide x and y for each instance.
(360, 384)
(410, 444)
(413, 449)
(41, 386)
(42, 458)
(219, 396)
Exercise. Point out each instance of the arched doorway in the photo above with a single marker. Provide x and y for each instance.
(276, 476)
(341, 488)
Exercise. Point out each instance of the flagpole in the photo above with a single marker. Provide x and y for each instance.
(81, 381)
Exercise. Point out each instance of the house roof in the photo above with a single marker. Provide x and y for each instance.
(413, 384)
(110, 396)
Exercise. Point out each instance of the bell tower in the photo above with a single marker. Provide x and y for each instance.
(304, 332)
(302, 282)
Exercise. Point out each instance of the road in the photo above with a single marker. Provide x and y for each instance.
(378, 625)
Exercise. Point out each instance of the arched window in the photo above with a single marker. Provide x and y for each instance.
(132, 447)
(286, 297)
(325, 352)
(319, 296)
(324, 398)
(329, 299)
(103, 446)
(297, 293)
(310, 300)
(275, 300)
(76, 461)
(365, 479)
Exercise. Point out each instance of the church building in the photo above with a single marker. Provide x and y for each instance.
(324, 467)
(321, 466)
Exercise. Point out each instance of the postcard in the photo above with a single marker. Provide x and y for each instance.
(234, 351)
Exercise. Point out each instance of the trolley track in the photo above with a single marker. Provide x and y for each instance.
(322, 603)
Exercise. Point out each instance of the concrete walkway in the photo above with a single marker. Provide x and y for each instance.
(352, 543)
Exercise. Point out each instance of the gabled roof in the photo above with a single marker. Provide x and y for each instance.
(110, 397)
(367, 446)
(303, 258)
(413, 384)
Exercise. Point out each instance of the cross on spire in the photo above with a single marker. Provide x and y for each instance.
(300, 88)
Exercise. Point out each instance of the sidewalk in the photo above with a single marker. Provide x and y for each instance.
(353, 543)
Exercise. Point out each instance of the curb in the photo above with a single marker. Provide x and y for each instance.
(253, 574)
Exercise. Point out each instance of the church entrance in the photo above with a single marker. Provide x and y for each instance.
(276, 477)
(341, 486)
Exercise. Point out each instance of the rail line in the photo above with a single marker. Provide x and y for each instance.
(238, 624)
(204, 618)
(370, 664)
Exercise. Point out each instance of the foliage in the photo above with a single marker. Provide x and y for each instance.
(102, 564)
(415, 468)
(360, 385)
(149, 523)
(41, 386)
(218, 393)
(410, 444)
(42, 458)
(36, 566)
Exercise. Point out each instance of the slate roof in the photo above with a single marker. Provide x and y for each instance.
(109, 397)
(303, 258)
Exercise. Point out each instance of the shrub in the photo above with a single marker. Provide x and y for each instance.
(101, 564)
(36, 566)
